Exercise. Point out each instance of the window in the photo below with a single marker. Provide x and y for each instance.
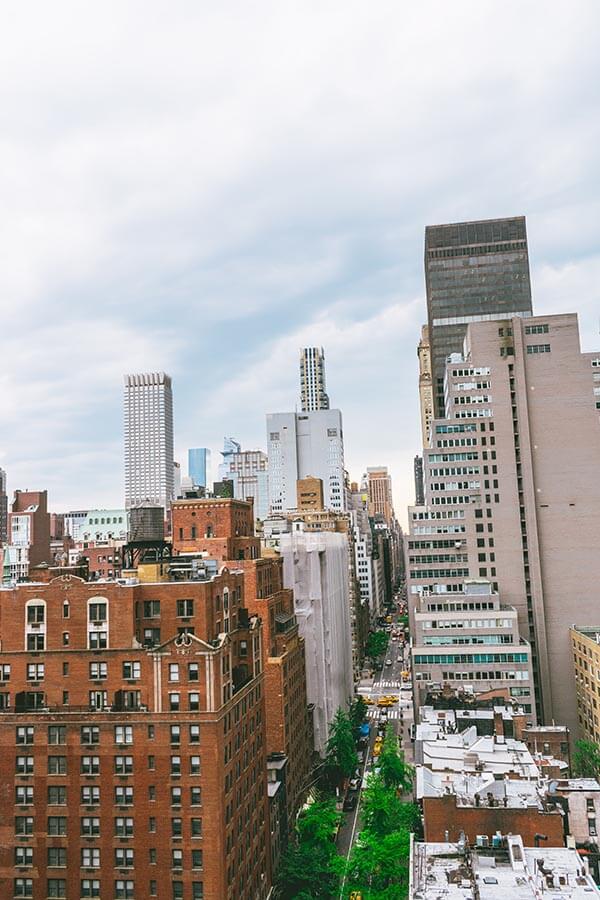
(178, 890)
(57, 888)
(175, 734)
(173, 672)
(536, 329)
(23, 856)
(193, 673)
(24, 795)
(124, 890)
(65, 610)
(151, 637)
(175, 796)
(98, 640)
(196, 825)
(23, 887)
(24, 825)
(175, 765)
(90, 887)
(57, 765)
(185, 608)
(132, 669)
(35, 642)
(174, 702)
(196, 859)
(123, 765)
(98, 670)
(24, 734)
(57, 825)
(97, 612)
(592, 827)
(57, 795)
(176, 827)
(195, 796)
(90, 857)
(194, 701)
(36, 613)
(123, 827)
(194, 734)
(538, 348)
(90, 795)
(124, 795)
(194, 765)
(57, 856)
(151, 609)
(90, 765)
(90, 734)
(35, 671)
(124, 857)
(123, 734)
(24, 765)
(65, 638)
(90, 826)
(197, 890)
(177, 859)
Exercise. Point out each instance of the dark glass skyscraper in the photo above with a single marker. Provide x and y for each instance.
(473, 271)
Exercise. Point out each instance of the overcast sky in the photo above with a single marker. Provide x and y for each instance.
(203, 188)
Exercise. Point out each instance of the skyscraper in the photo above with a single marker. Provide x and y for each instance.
(302, 445)
(198, 465)
(425, 384)
(3, 507)
(313, 395)
(148, 420)
(474, 271)
(512, 495)
(379, 485)
(419, 486)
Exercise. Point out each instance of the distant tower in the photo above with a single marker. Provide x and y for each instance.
(148, 421)
(419, 484)
(313, 395)
(425, 385)
(199, 465)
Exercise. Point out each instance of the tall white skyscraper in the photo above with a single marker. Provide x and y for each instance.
(3, 507)
(301, 445)
(313, 394)
(148, 420)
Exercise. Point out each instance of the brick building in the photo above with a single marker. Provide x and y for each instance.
(132, 741)
(226, 526)
(29, 526)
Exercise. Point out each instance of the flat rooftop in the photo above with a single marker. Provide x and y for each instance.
(508, 871)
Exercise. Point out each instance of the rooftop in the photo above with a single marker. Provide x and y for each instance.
(505, 870)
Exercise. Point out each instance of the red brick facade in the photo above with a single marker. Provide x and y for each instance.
(132, 752)
(444, 821)
(224, 529)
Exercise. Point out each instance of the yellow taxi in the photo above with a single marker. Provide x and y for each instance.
(385, 701)
(369, 701)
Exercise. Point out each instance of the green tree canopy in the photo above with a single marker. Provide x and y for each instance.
(395, 772)
(382, 809)
(376, 644)
(586, 759)
(379, 865)
(341, 754)
(310, 868)
(358, 712)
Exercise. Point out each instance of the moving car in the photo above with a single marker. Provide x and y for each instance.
(388, 662)
(350, 801)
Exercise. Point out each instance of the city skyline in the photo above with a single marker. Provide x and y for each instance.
(275, 244)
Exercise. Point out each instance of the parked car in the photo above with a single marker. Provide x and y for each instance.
(350, 801)
(354, 782)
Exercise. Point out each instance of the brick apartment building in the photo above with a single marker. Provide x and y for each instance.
(224, 529)
(132, 741)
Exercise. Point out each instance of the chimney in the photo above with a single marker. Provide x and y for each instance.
(498, 723)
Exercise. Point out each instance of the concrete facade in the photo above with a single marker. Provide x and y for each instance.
(148, 429)
(512, 473)
(301, 445)
(313, 390)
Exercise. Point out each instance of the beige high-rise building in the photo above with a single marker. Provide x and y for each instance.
(379, 485)
(512, 490)
(425, 384)
(585, 649)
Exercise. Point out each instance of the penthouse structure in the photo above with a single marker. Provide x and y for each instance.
(511, 493)
(133, 743)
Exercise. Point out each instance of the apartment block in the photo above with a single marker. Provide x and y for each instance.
(133, 742)
(585, 653)
(216, 528)
(29, 532)
(511, 492)
(248, 470)
(470, 637)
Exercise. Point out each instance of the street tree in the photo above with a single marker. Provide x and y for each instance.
(378, 865)
(382, 809)
(395, 771)
(310, 868)
(376, 644)
(341, 756)
(358, 712)
(586, 759)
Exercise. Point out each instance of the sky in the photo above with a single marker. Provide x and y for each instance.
(204, 188)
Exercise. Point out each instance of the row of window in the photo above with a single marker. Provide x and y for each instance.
(90, 734)
(470, 658)
(90, 857)
(90, 826)
(90, 795)
(90, 765)
(90, 887)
